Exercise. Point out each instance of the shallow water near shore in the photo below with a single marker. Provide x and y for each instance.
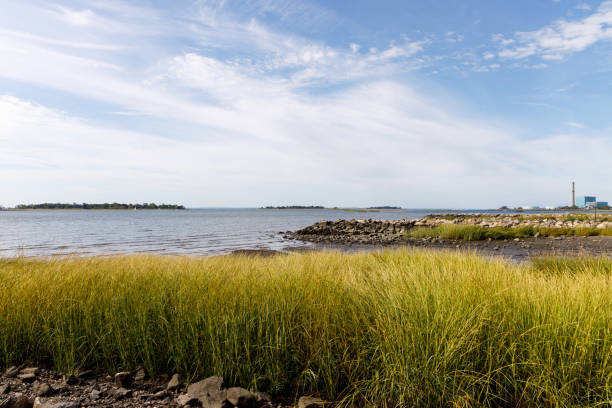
(191, 232)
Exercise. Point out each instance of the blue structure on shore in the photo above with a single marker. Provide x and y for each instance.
(586, 201)
(601, 204)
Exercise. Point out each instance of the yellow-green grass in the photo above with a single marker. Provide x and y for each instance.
(392, 328)
(599, 216)
(469, 232)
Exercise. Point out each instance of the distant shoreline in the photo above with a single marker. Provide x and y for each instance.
(88, 209)
(94, 206)
(316, 207)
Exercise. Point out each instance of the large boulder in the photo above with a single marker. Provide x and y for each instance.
(210, 392)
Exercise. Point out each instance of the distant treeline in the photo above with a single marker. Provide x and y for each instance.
(384, 207)
(294, 207)
(105, 206)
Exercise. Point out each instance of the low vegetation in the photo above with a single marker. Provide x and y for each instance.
(392, 328)
(467, 232)
(294, 207)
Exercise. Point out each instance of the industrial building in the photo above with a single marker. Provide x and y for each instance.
(586, 202)
(590, 202)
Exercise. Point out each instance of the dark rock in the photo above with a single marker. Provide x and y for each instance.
(241, 398)
(18, 400)
(84, 375)
(27, 378)
(123, 379)
(175, 382)
(310, 402)
(71, 380)
(210, 392)
(11, 372)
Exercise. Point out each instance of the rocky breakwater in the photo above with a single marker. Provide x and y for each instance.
(387, 232)
(356, 231)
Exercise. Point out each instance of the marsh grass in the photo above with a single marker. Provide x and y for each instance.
(468, 232)
(392, 328)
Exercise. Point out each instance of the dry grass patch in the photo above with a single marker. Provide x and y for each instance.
(394, 328)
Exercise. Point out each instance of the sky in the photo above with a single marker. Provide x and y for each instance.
(421, 104)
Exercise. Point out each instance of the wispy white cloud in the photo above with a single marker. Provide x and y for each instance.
(453, 37)
(560, 38)
(583, 7)
(387, 140)
(63, 43)
(575, 125)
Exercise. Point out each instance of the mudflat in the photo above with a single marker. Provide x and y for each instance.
(514, 236)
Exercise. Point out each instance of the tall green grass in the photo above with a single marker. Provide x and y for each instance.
(395, 328)
(468, 232)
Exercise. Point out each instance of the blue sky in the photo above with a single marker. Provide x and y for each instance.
(261, 102)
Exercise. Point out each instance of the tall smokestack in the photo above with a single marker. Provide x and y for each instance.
(573, 194)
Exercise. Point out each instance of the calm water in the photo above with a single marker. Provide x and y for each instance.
(194, 231)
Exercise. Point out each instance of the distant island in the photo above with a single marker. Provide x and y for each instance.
(320, 207)
(105, 206)
(294, 207)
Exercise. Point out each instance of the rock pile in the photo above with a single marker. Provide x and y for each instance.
(35, 387)
(356, 231)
